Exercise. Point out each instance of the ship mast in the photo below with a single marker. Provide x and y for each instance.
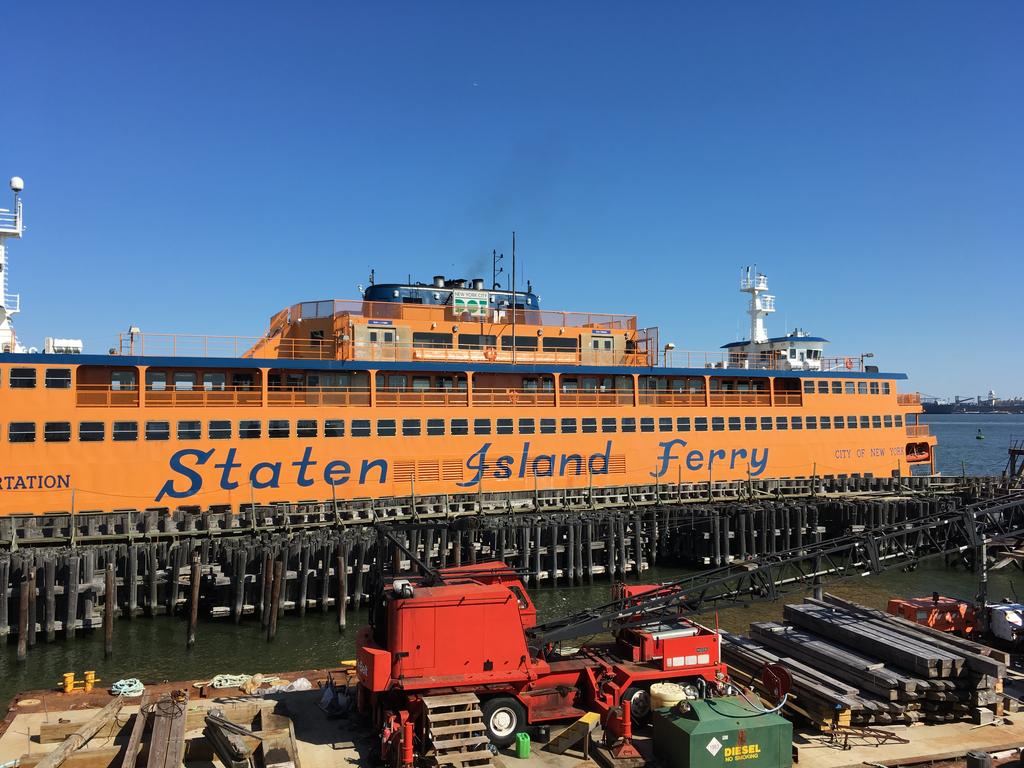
(10, 303)
(761, 303)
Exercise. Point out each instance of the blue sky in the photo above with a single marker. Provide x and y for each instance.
(195, 166)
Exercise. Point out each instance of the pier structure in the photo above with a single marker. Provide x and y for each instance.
(317, 557)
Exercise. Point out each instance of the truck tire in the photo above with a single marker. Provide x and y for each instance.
(639, 703)
(504, 717)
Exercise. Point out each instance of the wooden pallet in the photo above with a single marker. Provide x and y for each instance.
(455, 734)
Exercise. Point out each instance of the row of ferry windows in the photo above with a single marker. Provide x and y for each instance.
(60, 378)
(824, 387)
(122, 431)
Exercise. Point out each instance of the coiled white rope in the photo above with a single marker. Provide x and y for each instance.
(233, 681)
(129, 687)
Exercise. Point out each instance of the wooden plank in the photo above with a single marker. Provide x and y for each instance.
(574, 734)
(131, 753)
(85, 732)
(438, 717)
(105, 757)
(451, 700)
(167, 741)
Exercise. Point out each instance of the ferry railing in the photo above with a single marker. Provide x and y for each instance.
(386, 310)
(106, 396)
(919, 430)
(434, 396)
(9, 221)
(196, 345)
(588, 397)
(501, 396)
(671, 398)
(317, 396)
(740, 398)
(201, 396)
(908, 398)
(787, 399)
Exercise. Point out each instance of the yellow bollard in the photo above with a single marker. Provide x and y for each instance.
(69, 682)
(90, 680)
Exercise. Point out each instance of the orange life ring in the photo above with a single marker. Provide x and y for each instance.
(849, 363)
(490, 353)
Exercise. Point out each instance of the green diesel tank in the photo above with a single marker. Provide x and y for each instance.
(721, 733)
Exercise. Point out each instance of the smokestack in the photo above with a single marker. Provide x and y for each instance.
(439, 281)
(478, 284)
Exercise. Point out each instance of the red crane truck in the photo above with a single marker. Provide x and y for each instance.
(473, 629)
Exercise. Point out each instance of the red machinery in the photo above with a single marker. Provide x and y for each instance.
(473, 630)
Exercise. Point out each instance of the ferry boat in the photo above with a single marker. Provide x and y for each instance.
(442, 387)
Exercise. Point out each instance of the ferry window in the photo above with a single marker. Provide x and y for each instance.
(21, 432)
(683, 424)
(664, 424)
(432, 340)
(766, 423)
(812, 422)
(249, 429)
(609, 424)
(279, 428)
(184, 380)
(526, 426)
(589, 426)
(155, 430)
(386, 427)
(58, 378)
(797, 422)
(459, 427)
(717, 424)
(23, 378)
(837, 387)
(421, 384)
(395, 381)
(885, 388)
(876, 422)
(526, 343)
(809, 387)
(306, 428)
(629, 424)
(156, 381)
(219, 430)
(646, 424)
(822, 387)
(838, 422)
(700, 424)
(826, 422)
(360, 428)
(887, 420)
(547, 426)
(781, 422)
(213, 380)
(243, 381)
(569, 426)
(560, 344)
(91, 431)
(385, 336)
(481, 426)
(503, 427)
(477, 340)
(570, 385)
(899, 420)
(57, 431)
(118, 380)
(864, 423)
(334, 427)
(874, 388)
(190, 430)
(435, 427)
(734, 423)
(851, 422)
(124, 431)
(862, 387)
(411, 427)
(750, 422)
(850, 387)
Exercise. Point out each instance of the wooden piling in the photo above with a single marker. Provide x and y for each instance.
(303, 578)
(268, 582)
(341, 568)
(23, 619)
(357, 574)
(32, 601)
(50, 601)
(71, 598)
(275, 599)
(109, 607)
(193, 603)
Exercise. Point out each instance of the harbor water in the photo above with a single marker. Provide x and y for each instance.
(154, 650)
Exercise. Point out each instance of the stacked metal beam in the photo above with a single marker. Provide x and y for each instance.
(858, 666)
